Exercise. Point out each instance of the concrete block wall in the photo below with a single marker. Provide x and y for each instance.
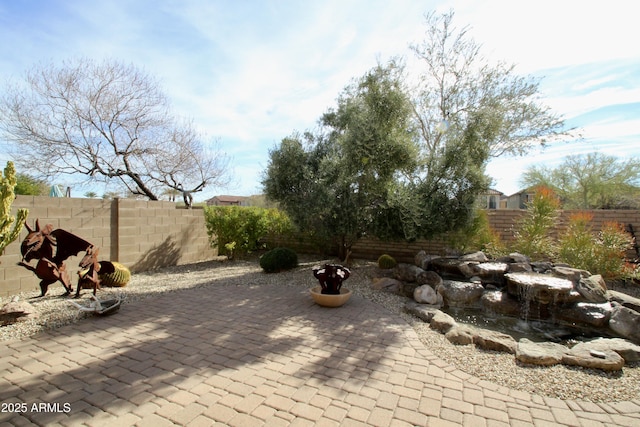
(143, 235)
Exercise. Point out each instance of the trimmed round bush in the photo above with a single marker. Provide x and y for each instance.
(278, 259)
(386, 262)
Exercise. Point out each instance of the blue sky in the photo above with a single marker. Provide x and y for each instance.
(251, 72)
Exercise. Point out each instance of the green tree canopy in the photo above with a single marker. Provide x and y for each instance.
(591, 181)
(337, 182)
(29, 186)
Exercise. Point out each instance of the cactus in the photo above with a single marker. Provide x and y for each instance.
(116, 279)
(10, 226)
(386, 261)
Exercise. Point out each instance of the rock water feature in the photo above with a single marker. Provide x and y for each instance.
(542, 313)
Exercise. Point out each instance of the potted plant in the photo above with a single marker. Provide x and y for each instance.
(330, 292)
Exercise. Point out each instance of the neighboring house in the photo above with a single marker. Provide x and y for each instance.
(492, 199)
(228, 201)
(520, 199)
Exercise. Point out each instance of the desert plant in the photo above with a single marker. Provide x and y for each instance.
(386, 262)
(10, 226)
(600, 253)
(238, 230)
(532, 233)
(278, 259)
(477, 236)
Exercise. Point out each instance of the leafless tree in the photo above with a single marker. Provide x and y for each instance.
(107, 121)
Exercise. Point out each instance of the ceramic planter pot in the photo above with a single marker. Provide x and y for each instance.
(327, 300)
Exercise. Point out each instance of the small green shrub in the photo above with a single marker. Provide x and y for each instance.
(386, 262)
(532, 234)
(599, 253)
(278, 259)
(238, 230)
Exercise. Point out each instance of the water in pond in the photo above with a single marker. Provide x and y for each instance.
(537, 331)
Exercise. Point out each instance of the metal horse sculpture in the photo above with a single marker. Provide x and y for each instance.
(50, 268)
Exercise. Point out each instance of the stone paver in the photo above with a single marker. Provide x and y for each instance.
(250, 356)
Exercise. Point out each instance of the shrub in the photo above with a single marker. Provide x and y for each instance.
(477, 235)
(532, 234)
(238, 230)
(386, 262)
(600, 253)
(278, 259)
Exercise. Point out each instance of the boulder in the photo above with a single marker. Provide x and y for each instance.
(423, 260)
(517, 257)
(461, 335)
(589, 314)
(498, 302)
(543, 353)
(407, 272)
(593, 288)
(17, 311)
(569, 273)
(387, 284)
(537, 287)
(421, 311)
(629, 351)
(452, 267)
(624, 300)
(606, 360)
(494, 341)
(491, 272)
(425, 294)
(460, 294)
(430, 278)
(442, 322)
(475, 257)
(625, 322)
(519, 267)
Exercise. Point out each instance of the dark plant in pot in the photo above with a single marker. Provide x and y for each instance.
(330, 293)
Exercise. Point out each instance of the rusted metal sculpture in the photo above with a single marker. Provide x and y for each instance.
(90, 267)
(331, 277)
(50, 268)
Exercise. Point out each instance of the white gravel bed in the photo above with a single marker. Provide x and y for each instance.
(558, 381)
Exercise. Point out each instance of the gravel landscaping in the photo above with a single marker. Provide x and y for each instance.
(559, 381)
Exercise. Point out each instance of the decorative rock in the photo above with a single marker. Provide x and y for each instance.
(430, 278)
(461, 335)
(451, 267)
(421, 311)
(423, 260)
(569, 273)
(624, 300)
(407, 272)
(460, 294)
(517, 257)
(17, 311)
(544, 353)
(520, 267)
(538, 287)
(425, 294)
(593, 288)
(625, 322)
(590, 314)
(442, 322)
(607, 360)
(629, 351)
(387, 284)
(498, 302)
(475, 257)
(491, 272)
(541, 266)
(495, 341)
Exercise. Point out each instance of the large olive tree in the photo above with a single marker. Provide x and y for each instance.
(336, 182)
(108, 121)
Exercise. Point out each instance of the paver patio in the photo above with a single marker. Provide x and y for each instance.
(250, 356)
